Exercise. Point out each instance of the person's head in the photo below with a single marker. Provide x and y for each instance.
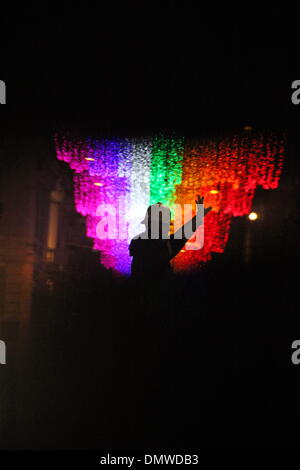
(157, 221)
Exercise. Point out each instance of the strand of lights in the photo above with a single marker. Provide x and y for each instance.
(130, 174)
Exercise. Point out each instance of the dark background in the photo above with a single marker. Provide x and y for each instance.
(141, 68)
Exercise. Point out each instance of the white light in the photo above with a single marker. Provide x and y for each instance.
(252, 216)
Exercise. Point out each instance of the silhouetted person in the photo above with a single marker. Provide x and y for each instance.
(153, 249)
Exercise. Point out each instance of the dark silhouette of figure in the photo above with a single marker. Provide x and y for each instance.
(153, 249)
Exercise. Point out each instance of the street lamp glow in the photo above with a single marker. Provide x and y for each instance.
(252, 216)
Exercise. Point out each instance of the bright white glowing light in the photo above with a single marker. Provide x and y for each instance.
(139, 196)
(252, 216)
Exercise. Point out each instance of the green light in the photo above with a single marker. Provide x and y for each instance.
(165, 168)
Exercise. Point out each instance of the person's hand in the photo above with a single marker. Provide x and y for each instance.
(200, 200)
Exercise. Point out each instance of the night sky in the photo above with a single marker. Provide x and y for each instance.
(134, 69)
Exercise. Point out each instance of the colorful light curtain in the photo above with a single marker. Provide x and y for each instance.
(130, 174)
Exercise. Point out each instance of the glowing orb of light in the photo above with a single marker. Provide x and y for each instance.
(253, 216)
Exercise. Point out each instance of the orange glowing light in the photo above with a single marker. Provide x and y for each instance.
(90, 159)
(98, 184)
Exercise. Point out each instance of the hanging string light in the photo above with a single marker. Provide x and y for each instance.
(130, 174)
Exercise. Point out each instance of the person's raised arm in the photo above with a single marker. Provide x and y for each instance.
(182, 235)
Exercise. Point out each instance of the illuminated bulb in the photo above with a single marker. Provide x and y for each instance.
(98, 184)
(214, 191)
(253, 216)
(90, 159)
